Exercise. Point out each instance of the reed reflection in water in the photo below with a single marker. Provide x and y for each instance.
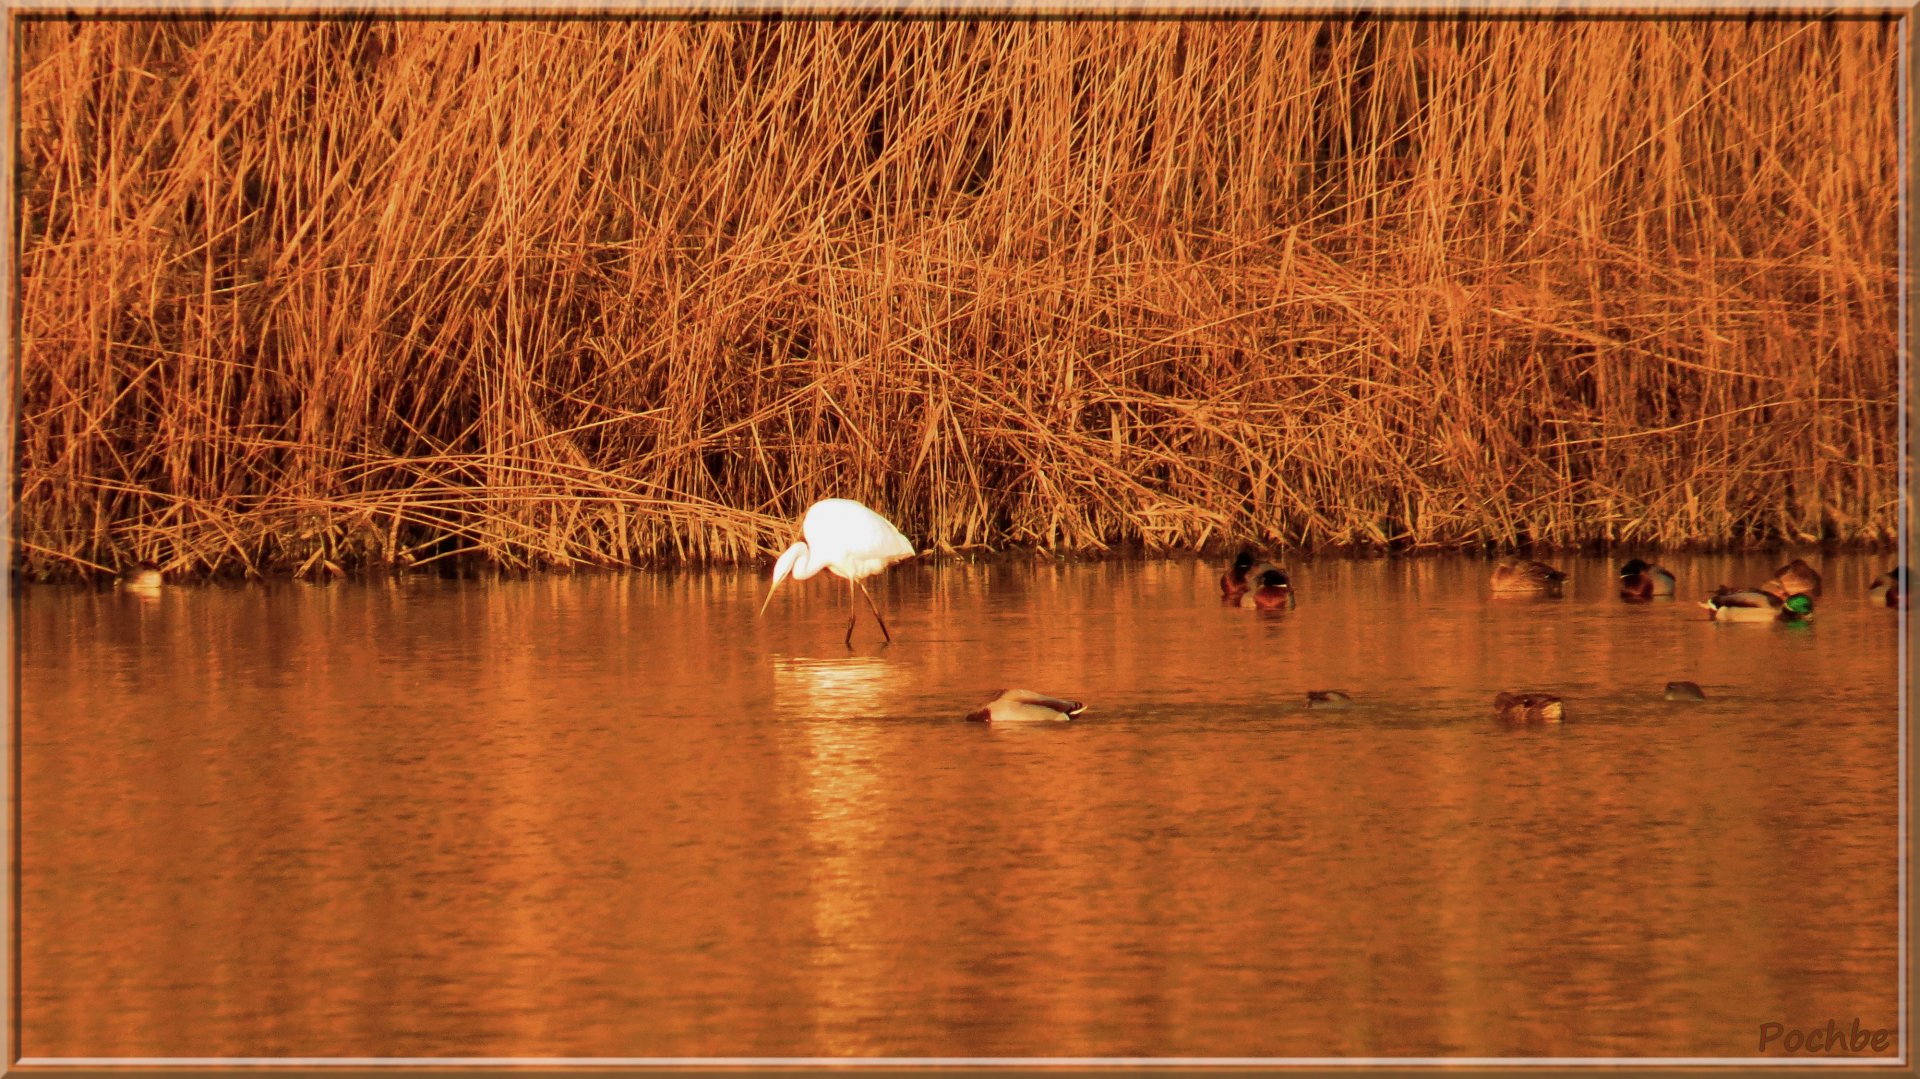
(622, 816)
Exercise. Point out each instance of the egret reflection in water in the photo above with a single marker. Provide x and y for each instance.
(621, 816)
(836, 688)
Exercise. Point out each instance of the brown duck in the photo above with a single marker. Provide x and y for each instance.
(1529, 708)
(1525, 575)
(1796, 578)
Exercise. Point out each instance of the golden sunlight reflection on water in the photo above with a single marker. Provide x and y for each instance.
(624, 816)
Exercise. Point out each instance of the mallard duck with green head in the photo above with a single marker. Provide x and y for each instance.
(1757, 605)
(1641, 580)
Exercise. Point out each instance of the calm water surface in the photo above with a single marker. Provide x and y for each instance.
(622, 816)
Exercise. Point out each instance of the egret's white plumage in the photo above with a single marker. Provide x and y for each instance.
(849, 539)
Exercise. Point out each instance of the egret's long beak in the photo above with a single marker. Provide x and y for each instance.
(780, 571)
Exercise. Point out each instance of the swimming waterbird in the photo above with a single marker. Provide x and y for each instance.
(1026, 706)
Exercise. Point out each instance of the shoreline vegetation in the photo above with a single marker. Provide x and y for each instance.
(319, 297)
(476, 568)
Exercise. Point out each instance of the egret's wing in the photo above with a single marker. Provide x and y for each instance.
(883, 541)
(845, 533)
(901, 547)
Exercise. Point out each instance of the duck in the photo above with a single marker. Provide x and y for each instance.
(1525, 575)
(1233, 583)
(1529, 707)
(1757, 605)
(1272, 591)
(1890, 588)
(1684, 691)
(1327, 698)
(1026, 706)
(1641, 580)
(144, 579)
(1796, 578)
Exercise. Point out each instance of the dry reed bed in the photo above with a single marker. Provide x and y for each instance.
(298, 295)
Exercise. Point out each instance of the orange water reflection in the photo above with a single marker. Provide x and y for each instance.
(622, 816)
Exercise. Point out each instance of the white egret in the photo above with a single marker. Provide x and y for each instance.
(851, 540)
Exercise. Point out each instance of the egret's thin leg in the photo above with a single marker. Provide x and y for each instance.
(853, 612)
(876, 612)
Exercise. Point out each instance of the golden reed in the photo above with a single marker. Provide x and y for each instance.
(306, 295)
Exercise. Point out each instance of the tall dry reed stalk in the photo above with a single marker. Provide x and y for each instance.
(305, 294)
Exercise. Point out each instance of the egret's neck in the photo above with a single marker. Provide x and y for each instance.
(803, 564)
